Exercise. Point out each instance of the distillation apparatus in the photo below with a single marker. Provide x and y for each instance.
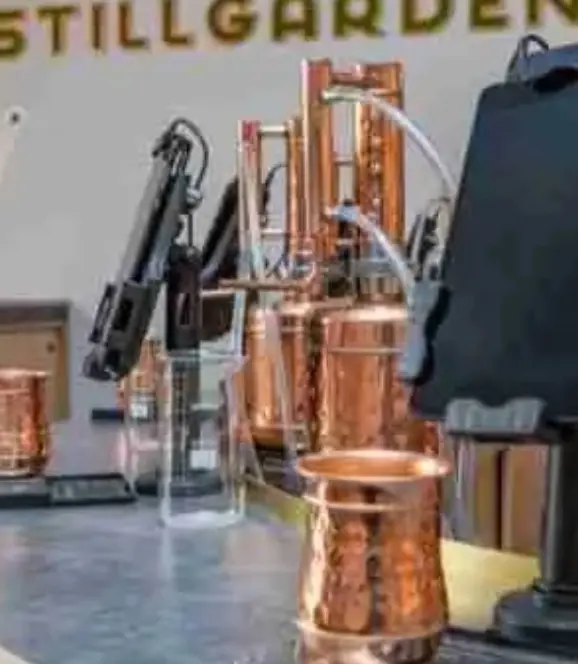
(323, 359)
(319, 251)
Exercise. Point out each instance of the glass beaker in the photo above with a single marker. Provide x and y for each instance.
(204, 454)
(372, 582)
(138, 393)
(140, 397)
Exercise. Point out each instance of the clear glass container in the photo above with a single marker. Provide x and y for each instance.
(140, 397)
(138, 393)
(205, 447)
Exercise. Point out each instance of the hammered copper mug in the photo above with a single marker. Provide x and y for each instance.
(25, 442)
(372, 587)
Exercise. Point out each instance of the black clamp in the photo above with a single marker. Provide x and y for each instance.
(515, 420)
(534, 61)
(415, 355)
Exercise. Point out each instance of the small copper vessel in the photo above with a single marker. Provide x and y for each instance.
(25, 442)
(372, 586)
(356, 398)
(140, 392)
(262, 395)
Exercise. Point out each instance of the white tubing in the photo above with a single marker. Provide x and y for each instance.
(353, 215)
(418, 137)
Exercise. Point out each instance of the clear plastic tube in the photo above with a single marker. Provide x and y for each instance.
(353, 215)
(399, 118)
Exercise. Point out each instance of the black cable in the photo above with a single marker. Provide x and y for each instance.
(267, 186)
(173, 130)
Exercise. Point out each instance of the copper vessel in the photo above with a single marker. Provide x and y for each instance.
(261, 388)
(139, 393)
(263, 403)
(25, 441)
(356, 399)
(371, 585)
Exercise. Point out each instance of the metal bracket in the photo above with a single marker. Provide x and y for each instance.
(518, 418)
(426, 296)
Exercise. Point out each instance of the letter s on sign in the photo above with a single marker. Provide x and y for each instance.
(12, 37)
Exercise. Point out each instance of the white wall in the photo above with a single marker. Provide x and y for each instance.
(67, 201)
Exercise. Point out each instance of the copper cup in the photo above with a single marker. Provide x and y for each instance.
(261, 393)
(372, 583)
(24, 423)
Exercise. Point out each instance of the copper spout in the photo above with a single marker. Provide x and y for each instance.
(24, 423)
(269, 285)
(371, 574)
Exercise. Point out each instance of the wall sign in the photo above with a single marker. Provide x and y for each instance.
(120, 25)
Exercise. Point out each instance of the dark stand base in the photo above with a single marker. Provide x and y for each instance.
(196, 484)
(534, 618)
(278, 470)
(461, 646)
(546, 615)
(65, 491)
(103, 415)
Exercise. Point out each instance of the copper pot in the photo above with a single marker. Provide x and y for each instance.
(356, 399)
(24, 423)
(261, 393)
(371, 582)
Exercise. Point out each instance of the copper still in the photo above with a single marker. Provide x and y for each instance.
(371, 578)
(25, 437)
(313, 286)
(139, 393)
(364, 340)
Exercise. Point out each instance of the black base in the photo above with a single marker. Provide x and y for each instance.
(277, 469)
(461, 646)
(103, 415)
(537, 619)
(196, 484)
(65, 491)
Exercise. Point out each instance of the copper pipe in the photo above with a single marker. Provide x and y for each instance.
(298, 238)
(282, 285)
(379, 154)
(319, 172)
(25, 440)
(371, 583)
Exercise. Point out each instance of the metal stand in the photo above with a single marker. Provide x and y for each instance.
(546, 615)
